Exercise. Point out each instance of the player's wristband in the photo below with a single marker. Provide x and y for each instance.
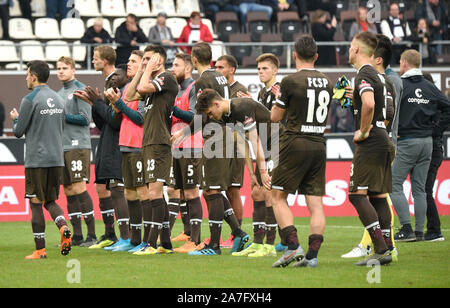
(363, 135)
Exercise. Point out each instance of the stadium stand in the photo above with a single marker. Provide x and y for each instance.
(287, 26)
(54, 49)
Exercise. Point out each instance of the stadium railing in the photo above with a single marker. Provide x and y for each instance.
(341, 49)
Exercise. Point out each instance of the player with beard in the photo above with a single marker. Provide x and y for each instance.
(158, 88)
(187, 155)
(215, 169)
(77, 154)
(371, 173)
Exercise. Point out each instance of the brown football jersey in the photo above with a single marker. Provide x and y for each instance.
(306, 96)
(158, 110)
(368, 79)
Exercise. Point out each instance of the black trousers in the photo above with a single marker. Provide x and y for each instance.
(433, 221)
(4, 16)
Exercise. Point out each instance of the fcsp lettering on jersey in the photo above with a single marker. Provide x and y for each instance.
(317, 82)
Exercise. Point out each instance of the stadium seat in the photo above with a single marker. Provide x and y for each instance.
(217, 49)
(113, 8)
(38, 8)
(257, 23)
(8, 52)
(106, 24)
(209, 24)
(167, 6)
(87, 8)
(116, 23)
(249, 62)
(146, 24)
(272, 37)
(15, 66)
(139, 8)
(72, 28)
(288, 24)
(176, 25)
(242, 51)
(186, 7)
(46, 28)
(31, 50)
(20, 29)
(56, 49)
(227, 23)
(78, 52)
(15, 11)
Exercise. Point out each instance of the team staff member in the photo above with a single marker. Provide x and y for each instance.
(421, 102)
(77, 153)
(41, 120)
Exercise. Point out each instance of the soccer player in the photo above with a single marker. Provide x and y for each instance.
(108, 159)
(227, 66)
(305, 101)
(77, 153)
(370, 174)
(380, 61)
(214, 169)
(129, 141)
(187, 156)
(41, 119)
(249, 116)
(158, 88)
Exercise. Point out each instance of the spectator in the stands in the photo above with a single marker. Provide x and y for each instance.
(435, 13)
(361, 24)
(422, 35)
(194, 32)
(328, 6)
(161, 34)
(4, 15)
(280, 6)
(58, 7)
(25, 8)
(323, 31)
(397, 29)
(96, 34)
(128, 35)
(253, 6)
(212, 7)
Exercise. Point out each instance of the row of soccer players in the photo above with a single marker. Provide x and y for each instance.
(136, 130)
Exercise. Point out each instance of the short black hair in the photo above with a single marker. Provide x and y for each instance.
(383, 49)
(230, 60)
(40, 69)
(306, 47)
(205, 100)
(203, 53)
(157, 49)
(122, 67)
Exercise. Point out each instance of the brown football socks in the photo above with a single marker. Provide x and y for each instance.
(259, 221)
(289, 234)
(135, 209)
(74, 213)
(314, 242)
(56, 213)
(216, 215)
(121, 210)
(195, 215)
(369, 219)
(107, 210)
(147, 218)
(174, 207)
(271, 226)
(185, 217)
(87, 208)
(158, 213)
(38, 225)
(381, 206)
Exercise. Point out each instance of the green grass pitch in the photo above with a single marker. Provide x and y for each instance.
(420, 265)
